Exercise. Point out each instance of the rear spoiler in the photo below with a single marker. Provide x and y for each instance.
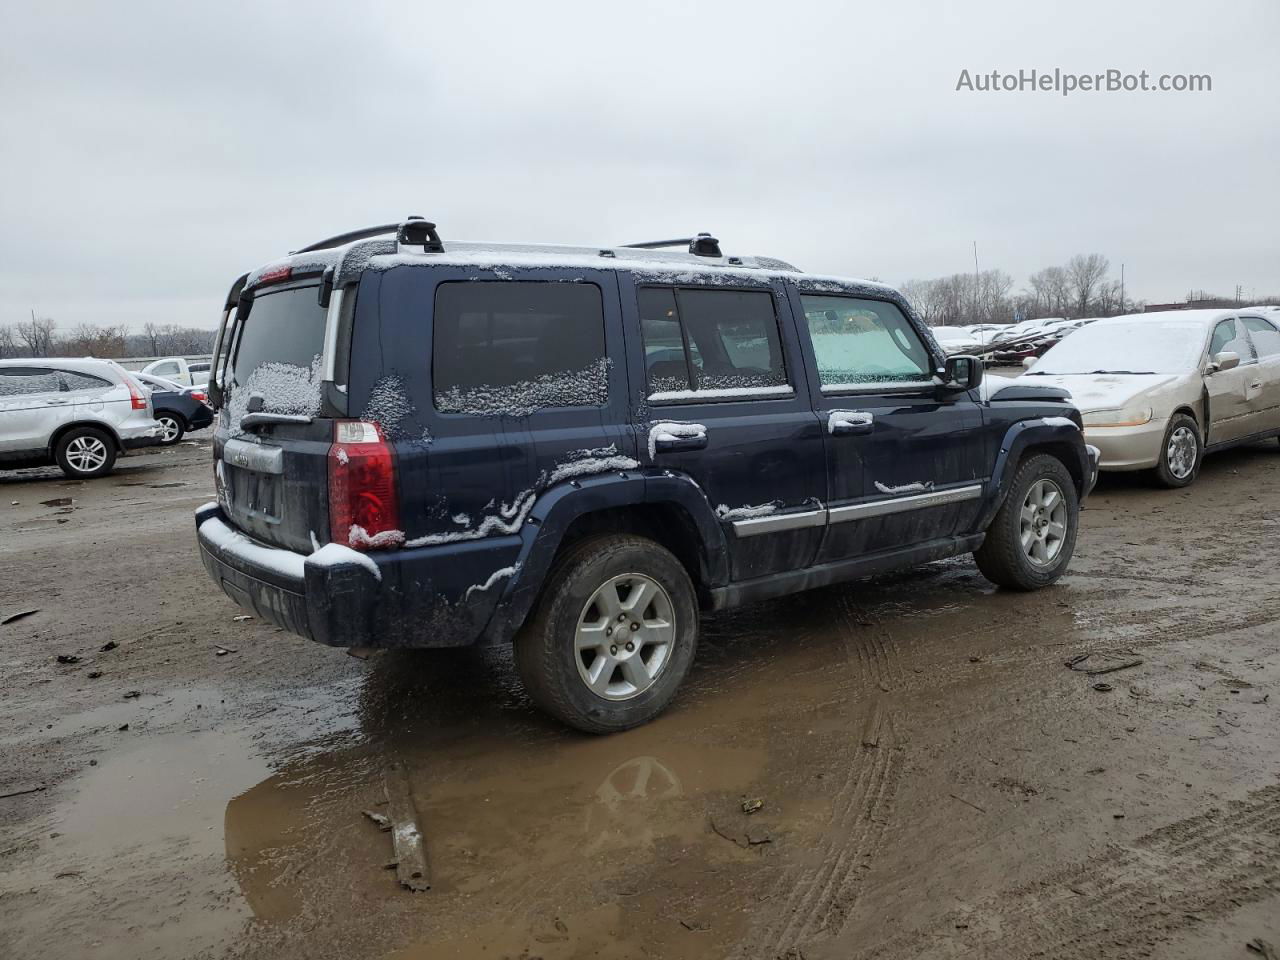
(216, 367)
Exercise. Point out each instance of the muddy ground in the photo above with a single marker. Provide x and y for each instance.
(935, 781)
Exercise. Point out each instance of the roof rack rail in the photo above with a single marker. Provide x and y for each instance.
(413, 230)
(349, 237)
(703, 245)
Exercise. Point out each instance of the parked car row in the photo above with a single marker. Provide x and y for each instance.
(81, 414)
(1006, 344)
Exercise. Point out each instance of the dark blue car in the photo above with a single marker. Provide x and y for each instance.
(177, 409)
(577, 450)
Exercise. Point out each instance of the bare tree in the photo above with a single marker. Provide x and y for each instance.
(8, 342)
(37, 334)
(151, 333)
(1086, 272)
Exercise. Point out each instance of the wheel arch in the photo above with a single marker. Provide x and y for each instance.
(56, 437)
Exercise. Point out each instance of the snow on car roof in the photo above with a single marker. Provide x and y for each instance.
(1199, 317)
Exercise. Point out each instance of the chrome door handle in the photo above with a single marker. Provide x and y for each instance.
(679, 436)
(847, 423)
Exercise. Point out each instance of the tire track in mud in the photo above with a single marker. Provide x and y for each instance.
(1125, 899)
(816, 898)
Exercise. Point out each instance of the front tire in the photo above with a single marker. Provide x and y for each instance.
(85, 452)
(172, 428)
(1033, 535)
(613, 635)
(1180, 454)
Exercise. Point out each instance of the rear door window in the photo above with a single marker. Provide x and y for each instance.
(28, 381)
(513, 347)
(862, 344)
(75, 380)
(711, 342)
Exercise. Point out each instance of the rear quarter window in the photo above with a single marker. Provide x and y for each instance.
(513, 347)
(75, 380)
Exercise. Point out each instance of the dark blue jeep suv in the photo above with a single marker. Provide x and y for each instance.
(576, 450)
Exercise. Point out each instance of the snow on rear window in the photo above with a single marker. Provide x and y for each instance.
(285, 389)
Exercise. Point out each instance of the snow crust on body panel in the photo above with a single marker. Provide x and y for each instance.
(1061, 422)
(746, 513)
(357, 536)
(284, 562)
(590, 465)
(669, 430)
(388, 406)
(500, 574)
(919, 487)
(335, 554)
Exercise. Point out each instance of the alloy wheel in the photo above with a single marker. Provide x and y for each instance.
(168, 429)
(625, 636)
(86, 454)
(1043, 522)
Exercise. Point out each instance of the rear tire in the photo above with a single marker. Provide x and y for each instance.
(1033, 535)
(85, 452)
(613, 635)
(173, 427)
(1181, 453)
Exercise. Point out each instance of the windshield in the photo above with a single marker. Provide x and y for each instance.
(1137, 347)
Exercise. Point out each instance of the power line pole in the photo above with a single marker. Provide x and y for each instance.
(1122, 306)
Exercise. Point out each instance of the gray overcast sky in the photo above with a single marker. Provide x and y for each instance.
(152, 152)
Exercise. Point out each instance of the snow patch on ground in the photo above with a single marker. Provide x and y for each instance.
(924, 487)
(745, 513)
(588, 387)
(335, 554)
(669, 430)
(500, 574)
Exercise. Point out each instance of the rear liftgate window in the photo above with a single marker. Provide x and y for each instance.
(710, 343)
(278, 354)
(513, 347)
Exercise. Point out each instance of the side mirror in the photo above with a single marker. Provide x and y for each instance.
(962, 372)
(1224, 361)
(1029, 362)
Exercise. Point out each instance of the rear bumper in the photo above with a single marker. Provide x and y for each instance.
(388, 599)
(146, 434)
(1128, 448)
(202, 418)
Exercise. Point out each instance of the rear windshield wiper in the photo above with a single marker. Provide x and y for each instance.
(251, 420)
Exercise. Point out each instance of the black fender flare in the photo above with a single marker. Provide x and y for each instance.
(1032, 433)
(555, 509)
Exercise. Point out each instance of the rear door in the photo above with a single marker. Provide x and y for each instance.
(33, 402)
(1266, 346)
(96, 398)
(494, 385)
(720, 371)
(906, 460)
(1235, 395)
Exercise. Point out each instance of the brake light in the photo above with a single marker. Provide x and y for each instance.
(275, 276)
(200, 397)
(136, 399)
(364, 511)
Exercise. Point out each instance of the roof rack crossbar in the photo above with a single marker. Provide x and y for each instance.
(703, 245)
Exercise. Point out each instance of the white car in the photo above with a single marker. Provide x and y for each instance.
(189, 374)
(1159, 390)
(79, 414)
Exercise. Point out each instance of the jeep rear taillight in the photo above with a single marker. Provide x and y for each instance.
(364, 511)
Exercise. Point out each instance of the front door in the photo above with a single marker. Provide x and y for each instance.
(1234, 395)
(906, 459)
(1266, 346)
(720, 372)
